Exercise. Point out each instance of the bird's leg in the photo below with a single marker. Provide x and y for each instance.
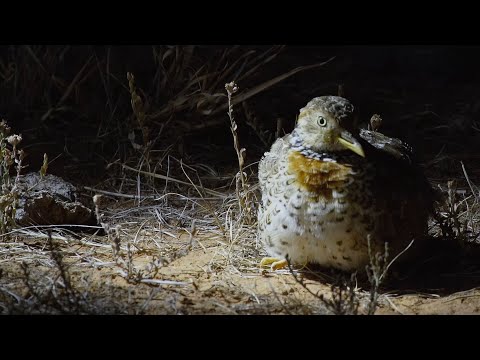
(274, 263)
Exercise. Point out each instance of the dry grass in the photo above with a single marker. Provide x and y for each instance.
(151, 235)
(11, 158)
(458, 216)
(174, 235)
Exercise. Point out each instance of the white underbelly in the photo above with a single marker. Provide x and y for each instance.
(332, 235)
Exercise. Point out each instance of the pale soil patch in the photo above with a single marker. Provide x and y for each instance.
(211, 277)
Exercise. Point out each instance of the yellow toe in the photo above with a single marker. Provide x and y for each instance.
(277, 265)
(273, 263)
(267, 261)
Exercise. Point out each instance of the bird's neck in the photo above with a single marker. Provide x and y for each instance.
(297, 144)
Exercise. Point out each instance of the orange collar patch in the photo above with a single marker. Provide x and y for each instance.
(316, 175)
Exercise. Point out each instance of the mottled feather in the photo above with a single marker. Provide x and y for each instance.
(327, 187)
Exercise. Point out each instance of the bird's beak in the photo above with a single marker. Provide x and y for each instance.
(349, 142)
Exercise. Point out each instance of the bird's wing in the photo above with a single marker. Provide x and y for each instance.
(272, 161)
(401, 190)
(398, 175)
(406, 173)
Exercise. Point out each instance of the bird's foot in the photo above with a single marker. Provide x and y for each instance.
(274, 263)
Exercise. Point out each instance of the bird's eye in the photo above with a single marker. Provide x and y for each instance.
(321, 121)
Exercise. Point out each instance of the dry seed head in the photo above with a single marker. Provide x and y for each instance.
(14, 140)
(97, 199)
(231, 87)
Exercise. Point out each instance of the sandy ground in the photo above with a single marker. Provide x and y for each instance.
(194, 275)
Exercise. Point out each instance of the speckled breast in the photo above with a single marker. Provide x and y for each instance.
(325, 212)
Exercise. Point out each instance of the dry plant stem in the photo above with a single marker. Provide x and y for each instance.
(44, 168)
(287, 311)
(70, 293)
(232, 88)
(128, 271)
(65, 299)
(138, 107)
(208, 191)
(343, 300)
(70, 88)
(243, 195)
(376, 272)
(146, 197)
(9, 191)
(239, 99)
(473, 188)
(174, 62)
(206, 204)
(456, 218)
(26, 278)
(18, 161)
(113, 233)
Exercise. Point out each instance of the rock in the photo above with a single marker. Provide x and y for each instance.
(49, 201)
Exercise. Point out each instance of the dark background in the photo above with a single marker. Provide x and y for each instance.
(73, 102)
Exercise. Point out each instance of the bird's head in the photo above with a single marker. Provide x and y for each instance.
(325, 124)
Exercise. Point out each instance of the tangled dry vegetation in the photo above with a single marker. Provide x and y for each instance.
(174, 235)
